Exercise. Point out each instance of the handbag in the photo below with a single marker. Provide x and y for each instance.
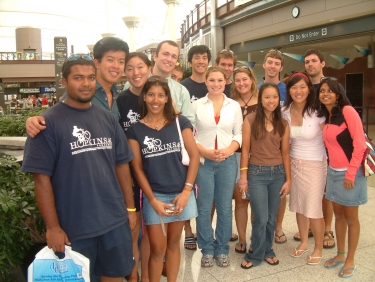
(368, 163)
(184, 153)
(48, 267)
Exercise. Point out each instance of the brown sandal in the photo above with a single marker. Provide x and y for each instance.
(328, 237)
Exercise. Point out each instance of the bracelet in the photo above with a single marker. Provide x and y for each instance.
(242, 183)
(131, 209)
(341, 253)
(244, 168)
(189, 184)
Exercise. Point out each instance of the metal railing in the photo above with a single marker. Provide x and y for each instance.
(26, 56)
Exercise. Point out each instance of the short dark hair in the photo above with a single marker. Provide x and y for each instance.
(69, 64)
(315, 52)
(226, 55)
(109, 44)
(169, 112)
(170, 42)
(140, 55)
(199, 49)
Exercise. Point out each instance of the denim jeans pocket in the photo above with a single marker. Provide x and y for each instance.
(253, 171)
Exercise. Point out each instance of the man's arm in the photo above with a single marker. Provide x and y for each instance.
(125, 181)
(56, 237)
(34, 125)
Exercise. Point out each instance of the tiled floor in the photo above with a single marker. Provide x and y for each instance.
(289, 269)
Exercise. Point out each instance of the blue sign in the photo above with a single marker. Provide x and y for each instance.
(47, 89)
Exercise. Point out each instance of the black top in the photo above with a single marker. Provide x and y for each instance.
(196, 90)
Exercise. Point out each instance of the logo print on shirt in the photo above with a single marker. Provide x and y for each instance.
(193, 98)
(133, 117)
(156, 148)
(85, 143)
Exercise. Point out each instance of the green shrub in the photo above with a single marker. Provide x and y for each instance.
(14, 125)
(17, 209)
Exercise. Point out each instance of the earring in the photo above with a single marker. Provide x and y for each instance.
(336, 104)
(320, 106)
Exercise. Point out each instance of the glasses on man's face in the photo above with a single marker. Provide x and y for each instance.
(75, 57)
(226, 51)
(242, 67)
(157, 78)
(328, 78)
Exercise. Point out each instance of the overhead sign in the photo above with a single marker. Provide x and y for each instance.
(307, 35)
(241, 2)
(29, 90)
(61, 50)
(47, 89)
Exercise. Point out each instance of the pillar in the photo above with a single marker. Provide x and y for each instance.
(171, 18)
(132, 23)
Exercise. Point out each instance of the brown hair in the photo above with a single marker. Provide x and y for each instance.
(170, 42)
(315, 52)
(254, 88)
(214, 69)
(226, 54)
(258, 128)
(275, 54)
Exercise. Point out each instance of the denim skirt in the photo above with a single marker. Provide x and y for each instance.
(151, 217)
(336, 192)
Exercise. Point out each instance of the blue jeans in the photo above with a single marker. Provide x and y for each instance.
(216, 183)
(265, 183)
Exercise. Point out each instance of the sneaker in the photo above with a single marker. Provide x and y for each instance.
(222, 260)
(207, 260)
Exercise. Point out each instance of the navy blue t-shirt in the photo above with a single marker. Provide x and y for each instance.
(227, 89)
(196, 90)
(161, 155)
(128, 107)
(80, 149)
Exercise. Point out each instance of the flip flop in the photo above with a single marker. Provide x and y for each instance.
(346, 269)
(334, 263)
(310, 234)
(242, 249)
(189, 241)
(297, 251)
(330, 236)
(314, 263)
(233, 238)
(273, 263)
(281, 241)
(247, 267)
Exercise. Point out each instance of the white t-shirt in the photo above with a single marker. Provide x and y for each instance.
(309, 144)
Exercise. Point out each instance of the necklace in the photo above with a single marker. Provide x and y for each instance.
(156, 127)
(245, 111)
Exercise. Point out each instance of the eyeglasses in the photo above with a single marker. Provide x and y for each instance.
(226, 51)
(242, 67)
(75, 57)
(328, 78)
(275, 50)
(157, 78)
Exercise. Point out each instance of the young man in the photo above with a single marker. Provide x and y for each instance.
(177, 73)
(82, 181)
(227, 61)
(314, 64)
(273, 65)
(165, 58)
(199, 57)
(109, 59)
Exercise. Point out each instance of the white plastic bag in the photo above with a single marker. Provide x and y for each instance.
(47, 267)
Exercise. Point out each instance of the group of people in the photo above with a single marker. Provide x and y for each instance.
(254, 143)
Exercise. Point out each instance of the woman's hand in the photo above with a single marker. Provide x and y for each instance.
(181, 201)
(223, 154)
(348, 184)
(160, 207)
(285, 189)
(243, 185)
(211, 155)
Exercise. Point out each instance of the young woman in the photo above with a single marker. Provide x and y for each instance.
(155, 140)
(265, 175)
(218, 123)
(137, 70)
(309, 164)
(346, 186)
(245, 92)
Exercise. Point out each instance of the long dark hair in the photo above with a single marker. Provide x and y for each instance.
(169, 112)
(342, 100)
(258, 128)
(310, 101)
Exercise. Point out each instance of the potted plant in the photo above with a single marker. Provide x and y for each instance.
(19, 217)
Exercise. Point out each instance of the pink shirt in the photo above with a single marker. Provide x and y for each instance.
(337, 157)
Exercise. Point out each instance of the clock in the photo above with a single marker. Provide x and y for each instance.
(295, 11)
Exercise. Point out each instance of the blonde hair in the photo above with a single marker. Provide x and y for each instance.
(214, 69)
